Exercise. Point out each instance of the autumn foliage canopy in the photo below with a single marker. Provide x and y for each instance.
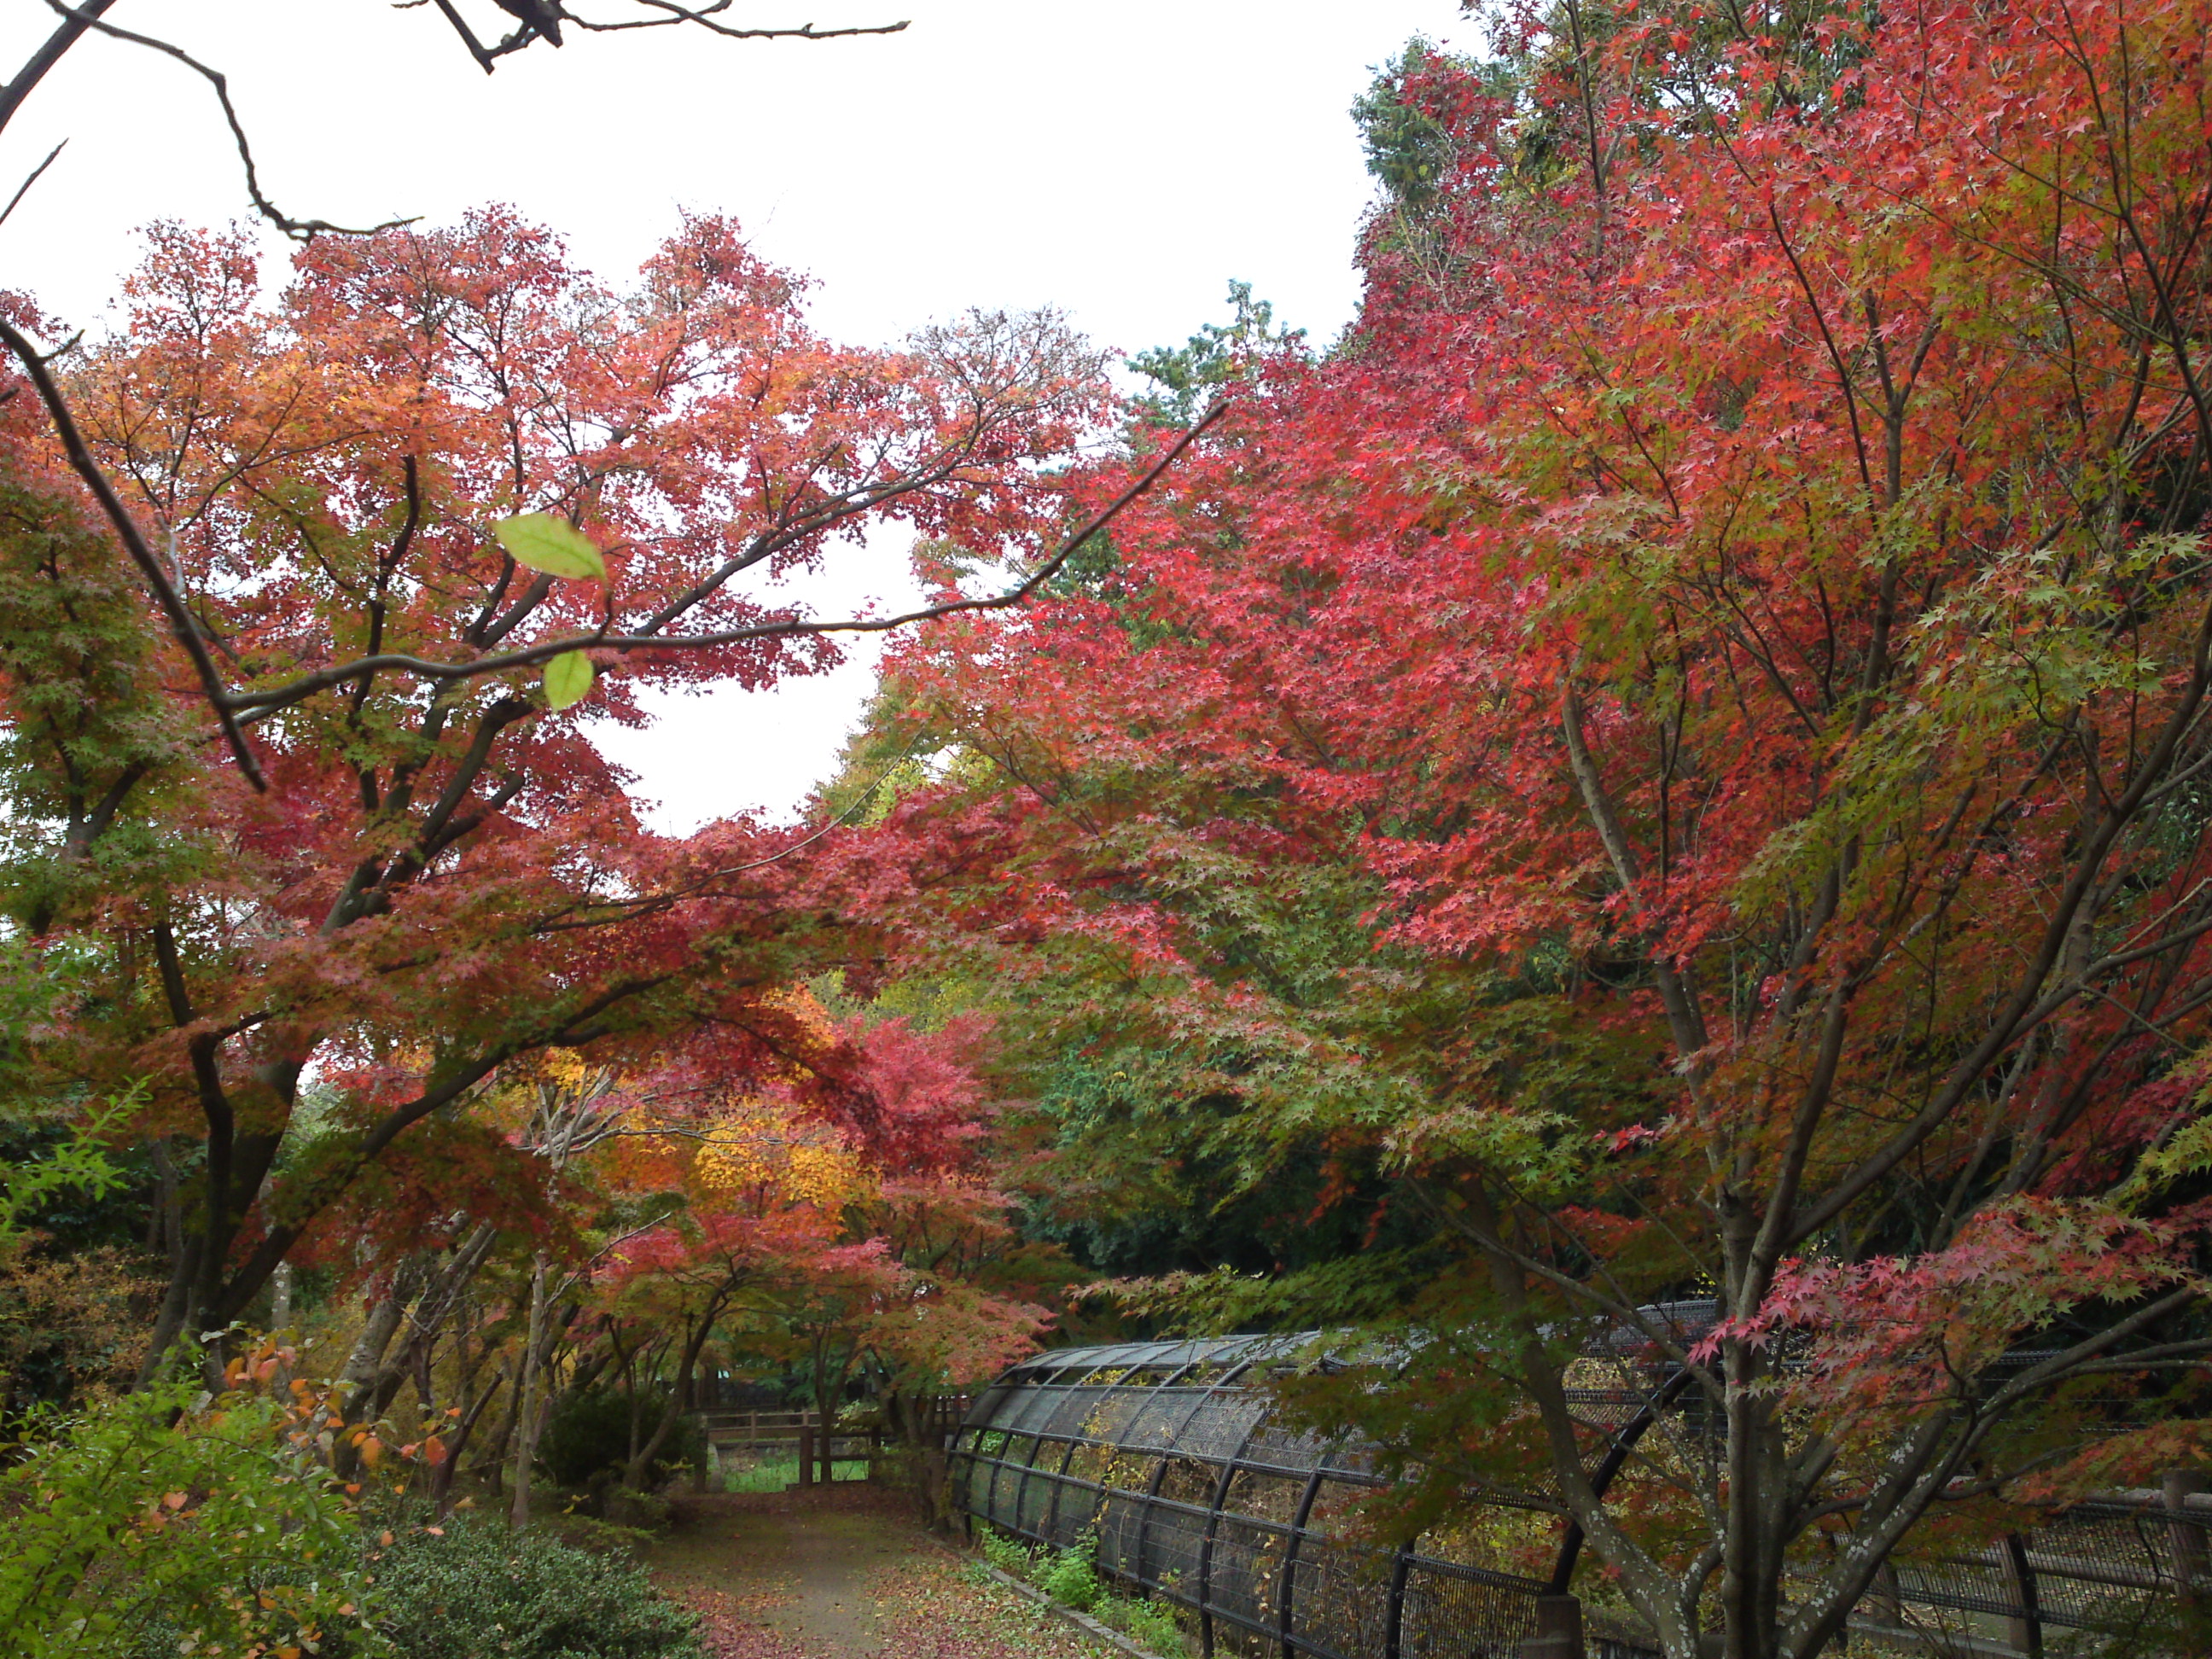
(1675, 756)
(1638, 824)
(446, 875)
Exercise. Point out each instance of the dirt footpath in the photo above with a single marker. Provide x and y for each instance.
(843, 1572)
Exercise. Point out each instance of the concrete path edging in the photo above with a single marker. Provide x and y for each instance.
(1082, 1621)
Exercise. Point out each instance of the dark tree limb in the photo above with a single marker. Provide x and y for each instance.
(704, 17)
(156, 575)
(300, 229)
(477, 48)
(24, 189)
(74, 24)
(258, 705)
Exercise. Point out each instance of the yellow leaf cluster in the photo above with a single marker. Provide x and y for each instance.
(753, 1150)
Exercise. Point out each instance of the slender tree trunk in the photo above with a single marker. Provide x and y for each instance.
(679, 1400)
(376, 1334)
(365, 1365)
(828, 1395)
(491, 1462)
(528, 1410)
(169, 1323)
(423, 1353)
(163, 1228)
(280, 1306)
(441, 1479)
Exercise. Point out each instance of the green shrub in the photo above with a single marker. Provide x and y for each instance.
(686, 1447)
(586, 1430)
(589, 1532)
(1149, 1625)
(163, 1522)
(635, 1511)
(1071, 1579)
(587, 1435)
(1006, 1553)
(476, 1590)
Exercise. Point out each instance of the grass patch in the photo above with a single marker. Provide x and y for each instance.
(774, 1474)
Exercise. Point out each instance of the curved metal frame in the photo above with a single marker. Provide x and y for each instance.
(1286, 1593)
(1312, 1464)
(1624, 1441)
(2128, 1556)
(1222, 1483)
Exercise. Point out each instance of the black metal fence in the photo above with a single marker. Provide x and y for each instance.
(1157, 1451)
(1165, 1454)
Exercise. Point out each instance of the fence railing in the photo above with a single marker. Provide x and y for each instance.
(800, 1434)
(734, 1429)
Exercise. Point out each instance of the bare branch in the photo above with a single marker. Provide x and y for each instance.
(476, 49)
(24, 189)
(34, 71)
(704, 16)
(300, 229)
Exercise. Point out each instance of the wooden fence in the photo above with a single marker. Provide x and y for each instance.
(942, 1416)
(800, 1432)
(730, 1431)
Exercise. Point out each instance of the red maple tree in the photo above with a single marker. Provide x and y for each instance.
(419, 505)
(1726, 635)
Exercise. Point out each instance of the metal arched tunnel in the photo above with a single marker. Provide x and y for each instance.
(1165, 1454)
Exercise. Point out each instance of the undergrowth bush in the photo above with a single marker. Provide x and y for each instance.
(1007, 1554)
(589, 1532)
(1149, 1625)
(166, 1523)
(587, 1435)
(473, 1588)
(1070, 1577)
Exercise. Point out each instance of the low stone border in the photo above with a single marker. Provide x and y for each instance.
(1082, 1621)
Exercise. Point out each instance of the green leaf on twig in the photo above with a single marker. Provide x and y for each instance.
(552, 545)
(567, 679)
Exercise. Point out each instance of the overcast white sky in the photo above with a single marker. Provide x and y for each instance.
(1121, 162)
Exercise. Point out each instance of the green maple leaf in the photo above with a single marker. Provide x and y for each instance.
(567, 679)
(552, 545)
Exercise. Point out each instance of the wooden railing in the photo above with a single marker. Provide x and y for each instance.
(801, 1432)
(730, 1429)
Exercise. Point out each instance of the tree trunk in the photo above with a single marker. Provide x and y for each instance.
(679, 1400)
(376, 1332)
(373, 1379)
(442, 1478)
(280, 1306)
(529, 1408)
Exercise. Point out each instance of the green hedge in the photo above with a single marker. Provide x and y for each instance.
(478, 1590)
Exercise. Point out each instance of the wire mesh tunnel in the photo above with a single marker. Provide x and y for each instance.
(1165, 1454)
(1161, 1452)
